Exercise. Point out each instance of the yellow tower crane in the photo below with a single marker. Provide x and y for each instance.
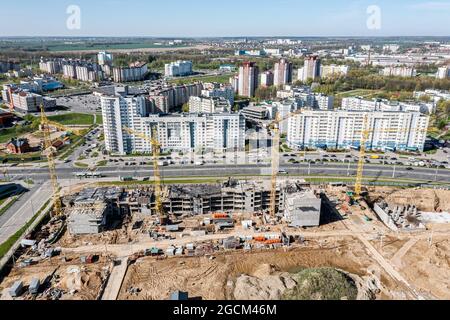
(275, 128)
(156, 146)
(50, 151)
(365, 135)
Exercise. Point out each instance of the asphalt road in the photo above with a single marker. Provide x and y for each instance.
(379, 171)
(23, 210)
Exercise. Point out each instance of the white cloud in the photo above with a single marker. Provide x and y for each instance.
(432, 5)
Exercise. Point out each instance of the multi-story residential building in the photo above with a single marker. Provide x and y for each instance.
(360, 104)
(399, 71)
(166, 98)
(51, 66)
(26, 101)
(216, 90)
(333, 71)
(209, 105)
(178, 69)
(310, 70)
(443, 73)
(267, 79)
(134, 72)
(434, 95)
(343, 129)
(105, 58)
(248, 79)
(234, 82)
(70, 71)
(283, 72)
(323, 102)
(6, 66)
(176, 132)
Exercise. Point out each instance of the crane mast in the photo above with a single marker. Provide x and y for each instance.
(48, 147)
(159, 207)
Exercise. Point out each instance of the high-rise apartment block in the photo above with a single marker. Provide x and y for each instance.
(283, 72)
(248, 79)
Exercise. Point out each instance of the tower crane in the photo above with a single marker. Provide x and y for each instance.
(365, 135)
(275, 128)
(46, 124)
(156, 172)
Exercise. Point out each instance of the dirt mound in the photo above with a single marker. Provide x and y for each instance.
(322, 284)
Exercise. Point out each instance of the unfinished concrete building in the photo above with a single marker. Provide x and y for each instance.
(398, 217)
(92, 209)
(303, 209)
(231, 196)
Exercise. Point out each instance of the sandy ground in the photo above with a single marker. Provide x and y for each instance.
(214, 279)
(428, 268)
(78, 281)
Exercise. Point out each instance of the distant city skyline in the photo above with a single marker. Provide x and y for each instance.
(234, 18)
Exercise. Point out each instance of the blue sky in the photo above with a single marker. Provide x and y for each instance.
(189, 18)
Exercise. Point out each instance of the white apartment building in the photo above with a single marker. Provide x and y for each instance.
(26, 101)
(267, 79)
(104, 58)
(333, 71)
(397, 71)
(209, 105)
(219, 91)
(176, 132)
(343, 129)
(178, 68)
(136, 72)
(443, 73)
(435, 95)
(360, 104)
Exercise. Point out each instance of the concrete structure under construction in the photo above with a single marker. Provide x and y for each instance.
(91, 210)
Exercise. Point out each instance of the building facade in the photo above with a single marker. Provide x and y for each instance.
(248, 79)
(343, 129)
(176, 132)
(178, 69)
(282, 73)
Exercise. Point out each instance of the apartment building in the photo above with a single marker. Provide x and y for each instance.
(177, 132)
(178, 69)
(282, 72)
(343, 129)
(267, 79)
(333, 71)
(216, 90)
(209, 105)
(164, 99)
(399, 71)
(248, 79)
(310, 70)
(443, 73)
(360, 104)
(134, 72)
(26, 101)
(51, 66)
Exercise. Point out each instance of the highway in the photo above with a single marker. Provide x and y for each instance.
(303, 169)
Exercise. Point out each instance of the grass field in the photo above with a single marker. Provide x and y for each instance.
(69, 119)
(219, 78)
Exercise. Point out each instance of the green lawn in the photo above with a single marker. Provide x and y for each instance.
(99, 119)
(220, 79)
(7, 134)
(73, 119)
(8, 205)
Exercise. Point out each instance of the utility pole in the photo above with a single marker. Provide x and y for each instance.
(436, 174)
(393, 173)
(348, 169)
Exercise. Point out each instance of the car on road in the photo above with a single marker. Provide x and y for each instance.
(409, 169)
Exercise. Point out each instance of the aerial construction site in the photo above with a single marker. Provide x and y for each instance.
(235, 239)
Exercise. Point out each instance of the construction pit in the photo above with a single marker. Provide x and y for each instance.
(136, 258)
